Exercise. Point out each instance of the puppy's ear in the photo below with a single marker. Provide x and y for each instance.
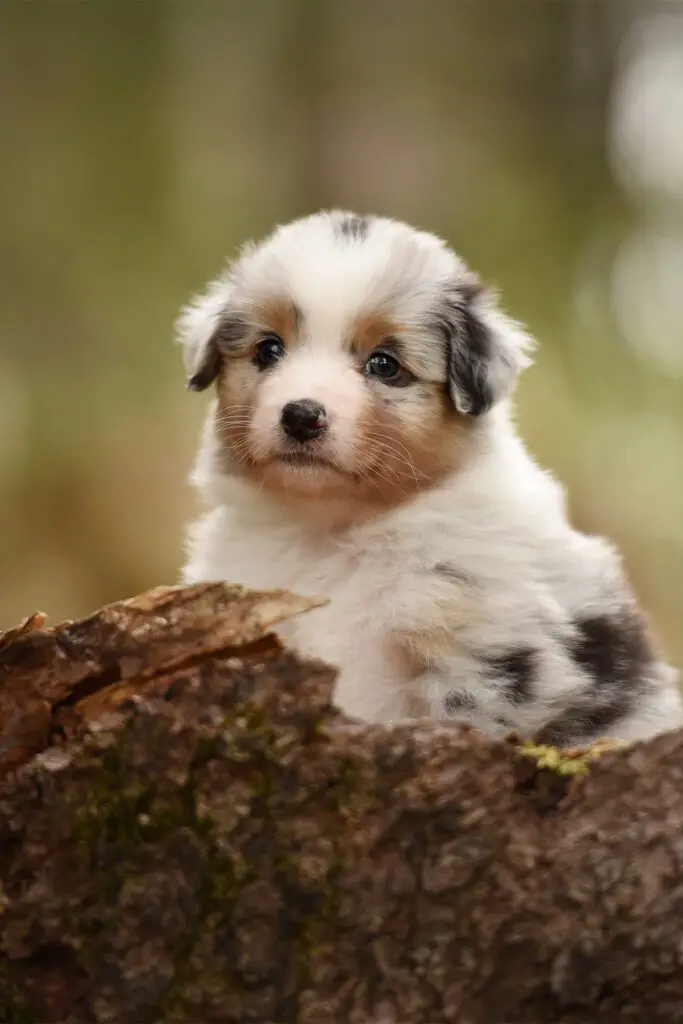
(198, 330)
(485, 349)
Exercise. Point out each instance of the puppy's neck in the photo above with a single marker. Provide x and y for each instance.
(327, 515)
(317, 515)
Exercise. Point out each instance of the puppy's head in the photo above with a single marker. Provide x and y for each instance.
(352, 356)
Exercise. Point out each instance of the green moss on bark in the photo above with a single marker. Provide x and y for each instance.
(13, 1007)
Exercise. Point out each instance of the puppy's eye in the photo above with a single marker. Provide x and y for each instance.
(387, 369)
(268, 351)
(380, 364)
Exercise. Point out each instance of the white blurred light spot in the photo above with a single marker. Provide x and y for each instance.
(646, 126)
(647, 297)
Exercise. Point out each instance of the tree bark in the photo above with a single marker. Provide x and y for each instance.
(190, 832)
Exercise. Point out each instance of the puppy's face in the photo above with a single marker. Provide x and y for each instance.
(356, 408)
(352, 356)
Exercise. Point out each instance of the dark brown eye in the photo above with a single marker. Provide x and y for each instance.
(387, 368)
(268, 351)
(382, 365)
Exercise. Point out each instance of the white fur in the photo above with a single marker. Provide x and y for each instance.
(485, 558)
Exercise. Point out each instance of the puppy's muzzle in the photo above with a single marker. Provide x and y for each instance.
(303, 420)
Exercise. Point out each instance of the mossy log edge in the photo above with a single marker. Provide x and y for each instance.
(189, 831)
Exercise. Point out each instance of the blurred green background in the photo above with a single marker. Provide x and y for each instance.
(140, 142)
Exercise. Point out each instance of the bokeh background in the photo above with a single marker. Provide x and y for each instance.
(141, 142)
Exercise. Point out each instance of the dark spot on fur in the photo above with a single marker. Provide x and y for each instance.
(471, 348)
(231, 330)
(516, 670)
(208, 370)
(458, 701)
(583, 722)
(353, 226)
(451, 572)
(467, 344)
(470, 356)
(613, 650)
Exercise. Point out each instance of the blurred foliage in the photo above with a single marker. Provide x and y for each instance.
(141, 142)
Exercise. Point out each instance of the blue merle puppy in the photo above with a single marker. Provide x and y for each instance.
(359, 446)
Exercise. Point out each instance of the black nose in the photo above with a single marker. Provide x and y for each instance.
(303, 420)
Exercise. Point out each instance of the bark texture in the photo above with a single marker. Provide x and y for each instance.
(189, 832)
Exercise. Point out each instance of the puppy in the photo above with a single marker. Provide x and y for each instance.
(359, 446)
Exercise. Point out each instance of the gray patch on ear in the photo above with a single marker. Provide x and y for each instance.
(469, 358)
(206, 329)
(229, 332)
(208, 370)
(484, 349)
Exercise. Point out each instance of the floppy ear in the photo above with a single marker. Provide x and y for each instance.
(485, 349)
(198, 329)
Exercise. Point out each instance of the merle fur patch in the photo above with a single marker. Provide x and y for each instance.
(208, 370)
(516, 670)
(458, 701)
(470, 354)
(584, 722)
(468, 349)
(613, 650)
(230, 330)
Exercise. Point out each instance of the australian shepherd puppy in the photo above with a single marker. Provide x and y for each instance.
(359, 446)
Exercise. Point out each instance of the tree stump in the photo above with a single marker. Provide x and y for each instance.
(190, 832)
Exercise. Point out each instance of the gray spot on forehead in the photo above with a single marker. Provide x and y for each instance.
(352, 226)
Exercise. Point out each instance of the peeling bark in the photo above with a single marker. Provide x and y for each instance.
(189, 831)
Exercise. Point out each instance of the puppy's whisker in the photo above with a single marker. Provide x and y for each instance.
(232, 420)
(382, 447)
(241, 452)
(382, 471)
(378, 473)
(235, 419)
(391, 445)
(394, 445)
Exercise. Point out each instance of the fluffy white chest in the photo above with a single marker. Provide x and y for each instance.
(352, 632)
